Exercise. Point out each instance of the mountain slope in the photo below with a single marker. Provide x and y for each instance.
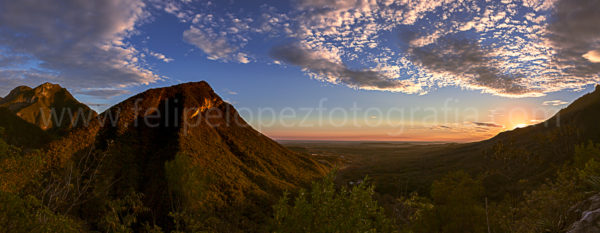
(582, 115)
(522, 158)
(189, 153)
(20, 132)
(49, 106)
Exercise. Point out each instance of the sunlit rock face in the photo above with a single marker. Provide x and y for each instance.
(48, 106)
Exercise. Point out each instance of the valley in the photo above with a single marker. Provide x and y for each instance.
(300, 116)
(395, 167)
(180, 157)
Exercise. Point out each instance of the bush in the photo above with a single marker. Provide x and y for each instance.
(325, 209)
(548, 208)
(16, 169)
(458, 206)
(122, 215)
(29, 215)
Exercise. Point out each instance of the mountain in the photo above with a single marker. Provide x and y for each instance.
(190, 155)
(49, 106)
(582, 115)
(518, 159)
(19, 132)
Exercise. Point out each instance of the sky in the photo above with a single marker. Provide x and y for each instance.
(388, 70)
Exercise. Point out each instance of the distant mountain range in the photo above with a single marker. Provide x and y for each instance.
(182, 147)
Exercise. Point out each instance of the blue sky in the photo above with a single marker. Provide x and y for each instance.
(508, 60)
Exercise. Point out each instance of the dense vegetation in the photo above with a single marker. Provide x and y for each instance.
(325, 209)
(77, 198)
(124, 178)
(142, 173)
(458, 202)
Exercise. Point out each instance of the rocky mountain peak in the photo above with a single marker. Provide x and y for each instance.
(49, 106)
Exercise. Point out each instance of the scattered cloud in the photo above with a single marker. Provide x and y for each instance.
(243, 58)
(335, 72)
(103, 92)
(230, 92)
(592, 56)
(554, 103)
(11, 78)
(220, 36)
(485, 124)
(78, 43)
(441, 127)
(96, 105)
(207, 40)
(507, 48)
(160, 56)
(467, 61)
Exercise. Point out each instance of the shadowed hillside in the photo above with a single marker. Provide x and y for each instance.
(512, 161)
(20, 132)
(188, 158)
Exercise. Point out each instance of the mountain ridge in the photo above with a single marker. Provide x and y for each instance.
(151, 137)
(48, 106)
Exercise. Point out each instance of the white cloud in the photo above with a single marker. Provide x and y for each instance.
(593, 56)
(554, 103)
(242, 58)
(215, 46)
(103, 92)
(220, 36)
(519, 59)
(160, 56)
(324, 68)
(81, 43)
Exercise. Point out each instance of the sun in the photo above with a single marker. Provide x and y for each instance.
(521, 126)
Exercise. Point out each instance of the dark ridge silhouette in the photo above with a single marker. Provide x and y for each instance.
(529, 155)
(21, 133)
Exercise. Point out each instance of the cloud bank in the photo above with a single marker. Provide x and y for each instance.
(575, 34)
(467, 61)
(517, 48)
(513, 48)
(332, 71)
(78, 44)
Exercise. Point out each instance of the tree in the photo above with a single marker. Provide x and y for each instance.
(325, 209)
(29, 215)
(458, 206)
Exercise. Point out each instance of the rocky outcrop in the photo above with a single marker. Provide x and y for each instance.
(589, 211)
(48, 106)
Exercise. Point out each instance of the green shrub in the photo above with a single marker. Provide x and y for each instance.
(458, 206)
(122, 215)
(325, 209)
(29, 215)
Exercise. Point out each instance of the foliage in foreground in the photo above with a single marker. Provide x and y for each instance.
(326, 209)
(457, 202)
(29, 215)
(456, 205)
